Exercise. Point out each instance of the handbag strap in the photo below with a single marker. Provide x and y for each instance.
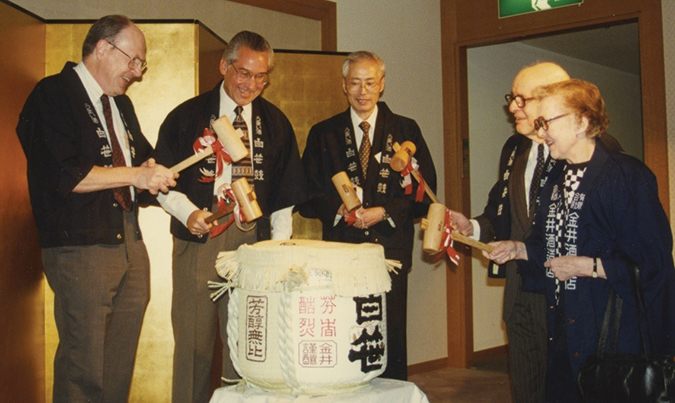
(615, 301)
(614, 306)
(635, 279)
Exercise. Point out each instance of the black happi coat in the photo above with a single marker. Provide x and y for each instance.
(282, 183)
(326, 155)
(63, 139)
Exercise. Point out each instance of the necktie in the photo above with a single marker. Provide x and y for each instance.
(122, 194)
(243, 168)
(364, 150)
(536, 177)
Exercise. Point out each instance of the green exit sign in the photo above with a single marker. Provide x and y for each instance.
(509, 8)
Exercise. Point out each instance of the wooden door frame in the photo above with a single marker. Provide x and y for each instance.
(476, 23)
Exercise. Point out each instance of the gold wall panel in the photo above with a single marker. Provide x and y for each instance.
(211, 50)
(307, 87)
(21, 281)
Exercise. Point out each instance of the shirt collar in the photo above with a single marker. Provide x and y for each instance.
(92, 87)
(227, 107)
(357, 120)
(533, 151)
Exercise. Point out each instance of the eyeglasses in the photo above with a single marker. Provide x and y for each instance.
(245, 75)
(134, 62)
(370, 85)
(520, 100)
(541, 123)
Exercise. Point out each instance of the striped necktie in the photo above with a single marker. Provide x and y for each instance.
(244, 167)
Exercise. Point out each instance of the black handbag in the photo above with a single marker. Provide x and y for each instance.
(610, 377)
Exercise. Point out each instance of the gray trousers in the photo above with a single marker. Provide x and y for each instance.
(526, 331)
(100, 296)
(196, 319)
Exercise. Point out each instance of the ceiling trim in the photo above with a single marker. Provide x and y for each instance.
(321, 10)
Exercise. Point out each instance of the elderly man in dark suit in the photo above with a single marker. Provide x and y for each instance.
(360, 141)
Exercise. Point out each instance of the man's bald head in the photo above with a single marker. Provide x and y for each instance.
(543, 73)
(525, 84)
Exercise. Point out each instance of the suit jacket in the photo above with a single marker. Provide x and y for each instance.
(279, 180)
(327, 154)
(506, 214)
(63, 139)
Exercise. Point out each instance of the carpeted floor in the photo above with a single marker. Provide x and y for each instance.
(487, 381)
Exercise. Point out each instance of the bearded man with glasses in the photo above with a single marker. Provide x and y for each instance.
(273, 168)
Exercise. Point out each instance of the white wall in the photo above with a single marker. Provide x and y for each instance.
(491, 72)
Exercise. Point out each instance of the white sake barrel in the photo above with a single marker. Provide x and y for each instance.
(307, 317)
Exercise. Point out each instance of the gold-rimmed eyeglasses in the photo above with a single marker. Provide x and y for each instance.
(245, 75)
(370, 85)
(134, 62)
(520, 100)
(541, 123)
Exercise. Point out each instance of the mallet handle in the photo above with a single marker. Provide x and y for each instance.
(220, 214)
(189, 161)
(471, 242)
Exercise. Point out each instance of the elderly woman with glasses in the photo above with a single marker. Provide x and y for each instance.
(598, 213)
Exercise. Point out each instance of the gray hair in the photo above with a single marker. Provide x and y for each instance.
(358, 56)
(252, 41)
(105, 28)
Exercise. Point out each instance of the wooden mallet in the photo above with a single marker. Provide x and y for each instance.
(399, 161)
(346, 190)
(247, 200)
(229, 138)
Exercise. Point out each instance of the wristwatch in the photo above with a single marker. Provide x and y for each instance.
(595, 268)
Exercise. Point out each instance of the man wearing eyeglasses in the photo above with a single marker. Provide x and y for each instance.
(509, 214)
(359, 141)
(273, 169)
(87, 159)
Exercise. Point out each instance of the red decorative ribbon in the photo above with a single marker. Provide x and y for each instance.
(419, 196)
(447, 242)
(406, 181)
(219, 229)
(351, 218)
(222, 157)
